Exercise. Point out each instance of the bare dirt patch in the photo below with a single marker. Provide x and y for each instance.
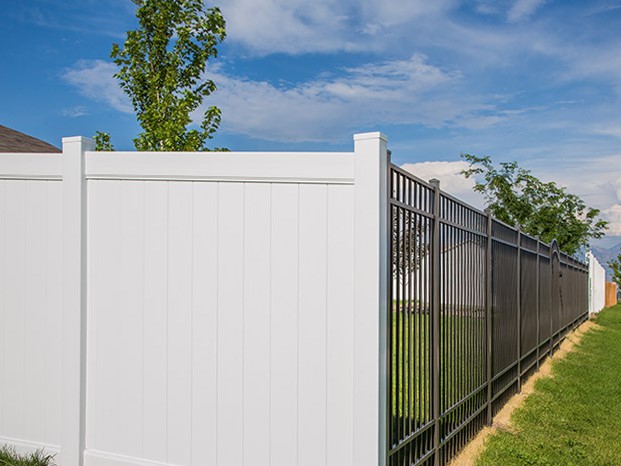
(502, 420)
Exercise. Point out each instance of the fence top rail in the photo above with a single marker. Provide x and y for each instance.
(29, 166)
(294, 167)
(213, 154)
(30, 154)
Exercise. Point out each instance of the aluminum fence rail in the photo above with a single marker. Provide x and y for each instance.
(474, 307)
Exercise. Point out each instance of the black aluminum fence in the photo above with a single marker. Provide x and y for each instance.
(474, 307)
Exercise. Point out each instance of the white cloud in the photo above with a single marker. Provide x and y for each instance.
(74, 112)
(291, 26)
(392, 12)
(409, 91)
(613, 215)
(327, 108)
(523, 9)
(487, 7)
(477, 122)
(451, 179)
(608, 130)
(95, 80)
(298, 26)
(597, 180)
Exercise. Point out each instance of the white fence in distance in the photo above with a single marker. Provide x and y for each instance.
(597, 284)
(216, 309)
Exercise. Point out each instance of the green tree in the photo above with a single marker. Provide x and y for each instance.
(547, 210)
(102, 141)
(161, 66)
(615, 266)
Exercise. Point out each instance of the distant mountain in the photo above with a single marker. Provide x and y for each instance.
(605, 255)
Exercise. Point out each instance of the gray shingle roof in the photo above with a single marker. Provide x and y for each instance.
(14, 141)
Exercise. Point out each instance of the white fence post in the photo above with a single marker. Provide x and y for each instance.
(370, 295)
(74, 301)
(589, 258)
(597, 284)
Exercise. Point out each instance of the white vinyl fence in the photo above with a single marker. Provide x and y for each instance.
(597, 284)
(194, 308)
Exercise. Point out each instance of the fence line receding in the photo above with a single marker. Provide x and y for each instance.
(474, 307)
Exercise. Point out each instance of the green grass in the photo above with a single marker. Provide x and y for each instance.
(9, 457)
(459, 361)
(574, 417)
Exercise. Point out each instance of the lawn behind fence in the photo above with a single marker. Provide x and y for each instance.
(573, 417)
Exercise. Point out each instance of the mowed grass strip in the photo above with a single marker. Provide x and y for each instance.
(573, 417)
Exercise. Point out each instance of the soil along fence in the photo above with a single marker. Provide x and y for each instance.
(475, 306)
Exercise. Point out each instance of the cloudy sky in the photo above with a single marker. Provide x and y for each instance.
(530, 80)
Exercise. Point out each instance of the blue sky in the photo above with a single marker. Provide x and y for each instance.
(529, 80)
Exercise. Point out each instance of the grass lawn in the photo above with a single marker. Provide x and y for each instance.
(574, 417)
(9, 457)
(462, 362)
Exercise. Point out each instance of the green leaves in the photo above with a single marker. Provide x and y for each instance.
(516, 197)
(102, 141)
(161, 66)
(615, 265)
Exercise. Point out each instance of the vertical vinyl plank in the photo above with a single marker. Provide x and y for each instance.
(257, 237)
(3, 302)
(205, 324)
(230, 323)
(284, 325)
(312, 325)
(53, 315)
(14, 323)
(129, 334)
(179, 415)
(340, 317)
(155, 322)
(105, 316)
(35, 309)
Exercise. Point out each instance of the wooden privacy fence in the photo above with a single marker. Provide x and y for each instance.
(611, 294)
(474, 306)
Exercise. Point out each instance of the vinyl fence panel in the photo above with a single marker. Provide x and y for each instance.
(30, 300)
(215, 309)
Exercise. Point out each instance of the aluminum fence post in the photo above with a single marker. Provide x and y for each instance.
(537, 301)
(552, 331)
(519, 308)
(435, 318)
(488, 314)
(73, 398)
